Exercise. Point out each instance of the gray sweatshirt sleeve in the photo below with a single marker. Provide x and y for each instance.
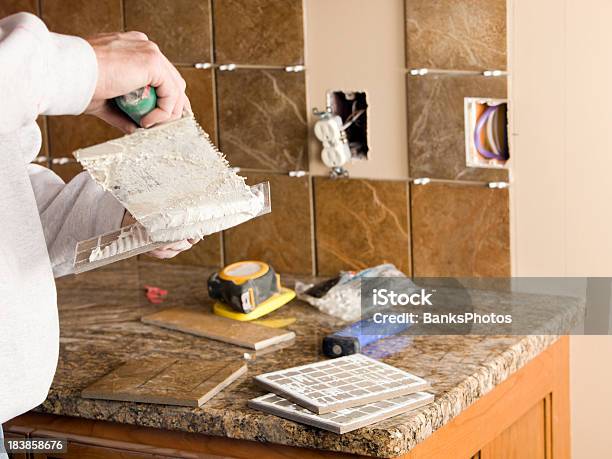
(52, 74)
(71, 212)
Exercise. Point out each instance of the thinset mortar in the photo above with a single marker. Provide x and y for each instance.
(173, 181)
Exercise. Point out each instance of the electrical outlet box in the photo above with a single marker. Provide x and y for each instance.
(486, 132)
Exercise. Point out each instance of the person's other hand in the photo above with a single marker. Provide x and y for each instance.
(170, 250)
(126, 62)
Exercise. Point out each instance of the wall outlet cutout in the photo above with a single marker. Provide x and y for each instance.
(486, 132)
(352, 108)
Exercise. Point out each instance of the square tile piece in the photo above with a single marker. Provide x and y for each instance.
(230, 331)
(262, 119)
(181, 28)
(166, 381)
(332, 385)
(451, 34)
(345, 420)
(259, 32)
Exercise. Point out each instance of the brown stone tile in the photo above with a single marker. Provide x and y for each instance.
(361, 223)
(436, 125)
(181, 28)
(68, 133)
(259, 32)
(460, 231)
(82, 17)
(207, 252)
(42, 125)
(262, 119)
(67, 171)
(200, 90)
(282, 238)
(451, 34)
(8, 7)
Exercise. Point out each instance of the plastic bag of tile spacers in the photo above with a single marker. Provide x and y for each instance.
(341, 296)
(174, 182)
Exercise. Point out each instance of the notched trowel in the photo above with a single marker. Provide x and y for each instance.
(172, 179)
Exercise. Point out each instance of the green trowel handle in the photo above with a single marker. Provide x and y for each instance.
(138, 103)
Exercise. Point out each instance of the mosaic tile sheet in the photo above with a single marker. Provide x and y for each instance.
(344, 420)
(331, 385)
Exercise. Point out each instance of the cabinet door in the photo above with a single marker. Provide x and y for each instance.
(525, 439)
(82, 451)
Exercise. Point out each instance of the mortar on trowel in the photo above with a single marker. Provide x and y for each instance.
(173, 181)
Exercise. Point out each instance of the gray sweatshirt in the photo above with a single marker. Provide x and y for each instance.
(41, 217)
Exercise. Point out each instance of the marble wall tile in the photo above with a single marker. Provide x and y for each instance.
(460, 231)
(262, 119)
(361, 223)
(181, 28)
(282, 238)
(42, 125)
(259, 32)
(207, 252)
(68, 133)
(67, 171)
(82, 17)
(436, 125)
(201, 93)
(8, 7)
(456, 34)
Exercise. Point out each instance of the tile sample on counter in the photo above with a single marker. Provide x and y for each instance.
(259, 32)
(459, 35)
(82, 17)
(69, 133)
(282, 238)
(181, 28)
(262, 119)
(166, 381)
(345, 420)
(436, 125)
(207, 325)
(201, 93)
(361, 223)
(460, 231)
(8, 7)
(345, 382)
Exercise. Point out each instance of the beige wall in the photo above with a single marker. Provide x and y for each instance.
(356, 45)
(561, 89)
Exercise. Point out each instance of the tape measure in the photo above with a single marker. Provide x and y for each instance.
(245, 285)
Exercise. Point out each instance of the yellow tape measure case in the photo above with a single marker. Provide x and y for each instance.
(244, 285)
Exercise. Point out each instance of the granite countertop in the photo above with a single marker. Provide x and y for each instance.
(100, 329)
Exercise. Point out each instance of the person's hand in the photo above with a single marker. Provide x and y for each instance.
(126, 62)
(172, 249)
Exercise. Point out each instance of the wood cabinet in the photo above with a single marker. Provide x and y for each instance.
(83, 451)
(524, 417)
(16, 436)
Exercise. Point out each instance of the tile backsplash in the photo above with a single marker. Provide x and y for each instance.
(284, 237)
(181, 28)
(259, 32)
(456, 34)
(436, 125)
(460, 231)
(82, 17)
(262, 119)
(361, 223)
(257, 115)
